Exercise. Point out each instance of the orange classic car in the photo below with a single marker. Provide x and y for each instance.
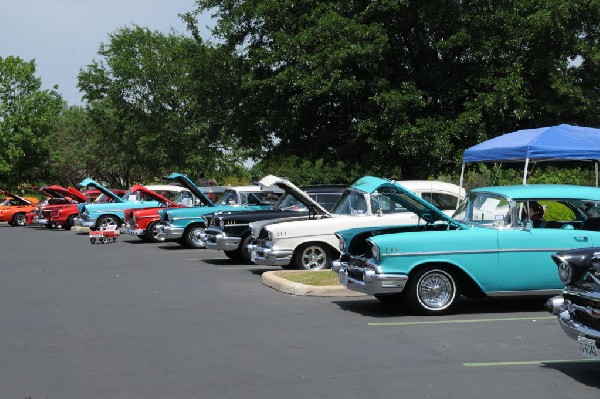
(14, 208)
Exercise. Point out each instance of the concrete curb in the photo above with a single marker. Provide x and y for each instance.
(80, 229)
(277, 280)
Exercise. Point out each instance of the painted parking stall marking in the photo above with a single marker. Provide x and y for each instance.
(408, 323)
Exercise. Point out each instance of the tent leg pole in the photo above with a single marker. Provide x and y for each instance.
(460, 184)
(525, 171)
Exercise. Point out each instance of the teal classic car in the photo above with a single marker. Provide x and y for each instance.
(187, 225)
(102, 215)
(498, 243)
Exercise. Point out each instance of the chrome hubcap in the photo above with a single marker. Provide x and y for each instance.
(436, 290)
(314, 258)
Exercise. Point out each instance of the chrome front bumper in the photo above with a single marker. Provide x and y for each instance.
(270, 257)
(80, 221)
(132, 231)
(573, 328)
(367, 280)
(169, 232)
(218, 240)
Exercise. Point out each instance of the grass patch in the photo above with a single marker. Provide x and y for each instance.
(318, 277)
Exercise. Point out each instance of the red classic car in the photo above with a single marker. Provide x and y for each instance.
(57, 216)
(56, 196)
(142, 221)
(14, 208)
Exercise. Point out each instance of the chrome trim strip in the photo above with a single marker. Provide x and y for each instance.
(467, 252)
(524, 293)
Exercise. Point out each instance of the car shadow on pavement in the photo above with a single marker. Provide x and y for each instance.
(584, 372)
(218, 262)
(372, 307)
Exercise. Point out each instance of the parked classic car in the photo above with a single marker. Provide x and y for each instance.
(53, 196)
(490, 247)
(14, 208)
(230, 231)
(186, 225)
(63, 215)
(96, 216)
(143, 222)
(578, 307)
(44, 213)
(312, 245)
(10, 199)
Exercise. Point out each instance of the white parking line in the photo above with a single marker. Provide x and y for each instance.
(531, 362)
(408, 323)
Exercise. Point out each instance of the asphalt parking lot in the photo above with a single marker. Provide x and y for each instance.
(136, 320)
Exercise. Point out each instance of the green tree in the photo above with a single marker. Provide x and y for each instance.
(160, 101)
(27, 114)
(407, 85)
(76, 149)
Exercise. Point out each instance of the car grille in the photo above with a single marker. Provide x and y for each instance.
(357, 267)
(582, 307)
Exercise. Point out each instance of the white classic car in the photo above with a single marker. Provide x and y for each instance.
(312, 244)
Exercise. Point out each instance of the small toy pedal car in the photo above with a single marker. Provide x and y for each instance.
(105, 235)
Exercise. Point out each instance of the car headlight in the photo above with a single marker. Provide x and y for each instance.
(221, 223)
(375, 252)
(565, 272)
(342, 244)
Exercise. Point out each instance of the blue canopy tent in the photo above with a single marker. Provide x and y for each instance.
(554, 143)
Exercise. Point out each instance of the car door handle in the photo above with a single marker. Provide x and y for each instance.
(581, 238)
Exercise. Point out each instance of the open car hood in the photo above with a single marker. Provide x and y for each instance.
(289, 188)
(77, 195)
(152, 194)
(423, 209)
(59, 192)
(90, 182)
(189, 184)
(22, 200)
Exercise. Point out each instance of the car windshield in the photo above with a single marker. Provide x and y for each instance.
(484, 209)
(289, 202)
(185, 198)
(229, 197)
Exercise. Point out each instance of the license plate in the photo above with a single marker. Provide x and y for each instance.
(344, 278)
(587, 348)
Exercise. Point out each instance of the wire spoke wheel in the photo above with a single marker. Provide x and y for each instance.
(434, 291)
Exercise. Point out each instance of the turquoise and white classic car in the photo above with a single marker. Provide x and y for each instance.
(102, 215)
(498, 243)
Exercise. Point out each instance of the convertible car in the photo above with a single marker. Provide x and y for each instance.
(490, 247)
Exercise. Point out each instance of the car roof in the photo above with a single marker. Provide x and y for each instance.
(549, 191)
(243, 189)
(324, 188)
(369, 184)
(164, 187)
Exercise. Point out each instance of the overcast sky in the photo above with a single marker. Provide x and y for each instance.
(63, 36)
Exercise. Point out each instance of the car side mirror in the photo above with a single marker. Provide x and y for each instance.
(528, 225)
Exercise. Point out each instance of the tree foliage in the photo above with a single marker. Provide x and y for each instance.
(26, 115)
(408, 84)
(161, 102)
